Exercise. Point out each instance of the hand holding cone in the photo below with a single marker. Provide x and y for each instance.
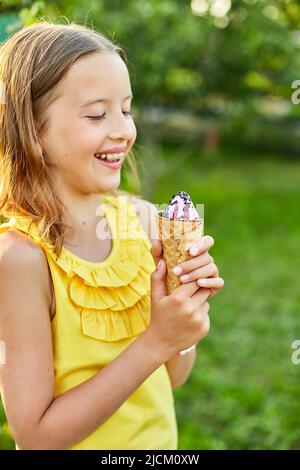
(179, 228)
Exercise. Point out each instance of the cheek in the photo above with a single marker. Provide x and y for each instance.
(89, 135)
(134, 133)
(84, 138)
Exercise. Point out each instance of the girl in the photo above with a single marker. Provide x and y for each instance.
(90, 335)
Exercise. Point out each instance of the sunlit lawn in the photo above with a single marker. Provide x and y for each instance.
(244, 390)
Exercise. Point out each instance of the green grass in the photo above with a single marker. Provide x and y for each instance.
(243, 390)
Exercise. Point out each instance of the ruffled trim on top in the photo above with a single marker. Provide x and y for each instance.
(113, 296)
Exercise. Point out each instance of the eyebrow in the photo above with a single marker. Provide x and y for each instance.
(99, 100)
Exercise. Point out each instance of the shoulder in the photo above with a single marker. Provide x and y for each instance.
(21, 260)
(146, 211)
(17, 250)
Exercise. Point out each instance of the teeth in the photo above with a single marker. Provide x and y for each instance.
(110, 156)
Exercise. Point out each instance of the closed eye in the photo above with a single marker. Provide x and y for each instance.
(97, 118)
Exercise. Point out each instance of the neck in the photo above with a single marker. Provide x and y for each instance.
(81, 214)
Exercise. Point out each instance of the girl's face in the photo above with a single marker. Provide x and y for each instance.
(76, 131)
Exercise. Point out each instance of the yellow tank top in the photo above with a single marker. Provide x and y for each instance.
(100, 309)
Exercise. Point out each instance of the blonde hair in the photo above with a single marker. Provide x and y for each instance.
(32, 62)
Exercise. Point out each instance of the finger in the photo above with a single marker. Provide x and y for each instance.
(200, 296)
(205, 325)
(211, 282)
(193, 263)
(201, 245)
(201, 312)
(186, 290)
(214, 292)
(210, 270)
(158, 283)
(156, 250)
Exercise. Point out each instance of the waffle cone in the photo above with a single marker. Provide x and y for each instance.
(177, 237)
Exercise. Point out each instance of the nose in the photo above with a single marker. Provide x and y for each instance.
(122, 127)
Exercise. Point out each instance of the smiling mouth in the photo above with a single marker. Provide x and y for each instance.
(115, 164)
(110, 158)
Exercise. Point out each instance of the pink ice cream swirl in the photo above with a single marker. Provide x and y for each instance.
(181, 207)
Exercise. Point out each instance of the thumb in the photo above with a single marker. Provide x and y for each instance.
(156, 250)
(158, 282)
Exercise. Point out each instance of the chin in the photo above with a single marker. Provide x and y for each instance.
(110, 185)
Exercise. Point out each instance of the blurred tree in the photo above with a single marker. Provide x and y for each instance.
(191, 51)
(232, 59)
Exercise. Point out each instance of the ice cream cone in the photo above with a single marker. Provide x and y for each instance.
(177, 237)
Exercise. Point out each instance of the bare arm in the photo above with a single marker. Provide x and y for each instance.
(179, 367)
(38, 419)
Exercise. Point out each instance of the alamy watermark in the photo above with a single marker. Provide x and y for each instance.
(123, 224)
(295, 357)
(295, 98)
